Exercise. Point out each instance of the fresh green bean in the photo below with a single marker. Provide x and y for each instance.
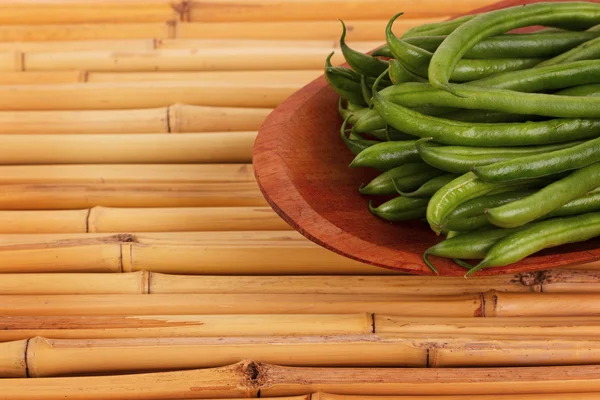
(344, 82)
(400, 209)
(590, 202)
(437, 28)
(399, 74)
(581, 15)
(387, 155)
(363, 64)
(407, 177)
(352, 112)
(429, 188)
(483, 134)
(547, 199)
(488, 116)
(462, 159)
(538, 236)
(583, 90)
(355, 146)
(589, 50)
(388, 134)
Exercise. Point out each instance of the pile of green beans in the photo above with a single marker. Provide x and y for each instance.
(490, 138)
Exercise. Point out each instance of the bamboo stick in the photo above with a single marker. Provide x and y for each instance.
(266, 78)
(106, 219)
(152, 120)
(233, 58)
(11, 61)
(591, 266)
(104, 31)
(541, 304)
(171, 326)
(41, 78)
(358, 30)
(74, 283)
(80, 45)
(268, 43)
(13, 363)
(77, 196)
(224, 382)
(544, 396)
(126, 173)
(186, 118)
(42, 221)
(121, 95)
(230, 147)
(228, 304)
(311, 10)
(557, 281)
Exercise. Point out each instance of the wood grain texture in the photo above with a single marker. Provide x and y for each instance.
(302, 169)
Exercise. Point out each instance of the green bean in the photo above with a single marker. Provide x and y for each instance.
(389, 134)
(581, 15)
(546, 199)
(470, 215)
(344, 82)
(365, 90)
(437, 28)
(407, 177)
(417, 60)
(588, 203)
(583, 90)
(461, 190)
(482, 134)
(387, 155)
(488, 116)
(363, 64)
(429, 188)
(589, 50)
(472, 245)
(399, 74)
(400, 209)
(462, 159)
(355, 146)
(538, 236)
(352, 112)
(372, 121)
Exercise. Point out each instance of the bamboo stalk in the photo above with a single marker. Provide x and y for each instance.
(126, 173)
(268, 43)
(544, 396)
(358, 30)
(263, 10)
(73, 12)
(77, 196)
(104, 31)
(121, 95)
(186, 118)
(13, 363)
(152, 120)
(214, 219)
(42, 221)
(230, 147)
(74, 283)
(171, 326)
(41, 78)
(233, 58)
(557, 281)
(80, 45)
(266, 78)
(228, 304)
(591, 266)
(11, 61)
(506, 304)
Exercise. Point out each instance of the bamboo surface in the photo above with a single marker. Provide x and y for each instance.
(41, 78)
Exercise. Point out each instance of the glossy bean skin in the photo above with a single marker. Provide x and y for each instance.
(590, 202)
(462, 159)
(538, 236)
(356, 146)
(363, 64)
(417, 60)
(430, 187)
(580, 15)
(387, 155)
(344, 82)
(407, 177)
(398, 74)
(437, 28)
(547, 199)
(586, 51)
(484, 134)
(400, 209)
(488, 116)
(582, 90)
(471, 245)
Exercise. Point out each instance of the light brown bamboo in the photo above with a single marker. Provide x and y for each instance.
(591, 266)
(13, 363)
(504, 304)
(186, 118)
(188, 304)
(121, 95)
(173, 326)
(127, 173)
(509, 327)
(224, 382)
(74, 283)
(266, 78)
(181, 219)
(233, 58)
(77, 196)
(358, 30)
(544, 396)
(103, 31)
(11, 61)
(557, 281)
(80, 45)
(72, 12)
(42, 221)
(41, 78)
(152, 120)
(310, 10)
(230, 147)
(267, 43)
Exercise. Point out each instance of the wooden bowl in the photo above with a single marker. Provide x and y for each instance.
(302, 169)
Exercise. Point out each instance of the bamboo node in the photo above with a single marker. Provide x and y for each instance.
(534, 278)
(253, 373)
(127, 238)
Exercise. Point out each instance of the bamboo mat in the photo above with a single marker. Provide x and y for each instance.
(139, 259)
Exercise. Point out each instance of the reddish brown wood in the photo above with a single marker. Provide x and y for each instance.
(302, 169)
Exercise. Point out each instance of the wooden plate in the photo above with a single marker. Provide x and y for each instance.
(302, 169)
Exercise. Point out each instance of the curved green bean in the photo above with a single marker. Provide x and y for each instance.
(407, 177)
(400, 209)
(363, 64)
(344, 82)
(589, 50)
(356, 146)
(387, 155)
(430, 187)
